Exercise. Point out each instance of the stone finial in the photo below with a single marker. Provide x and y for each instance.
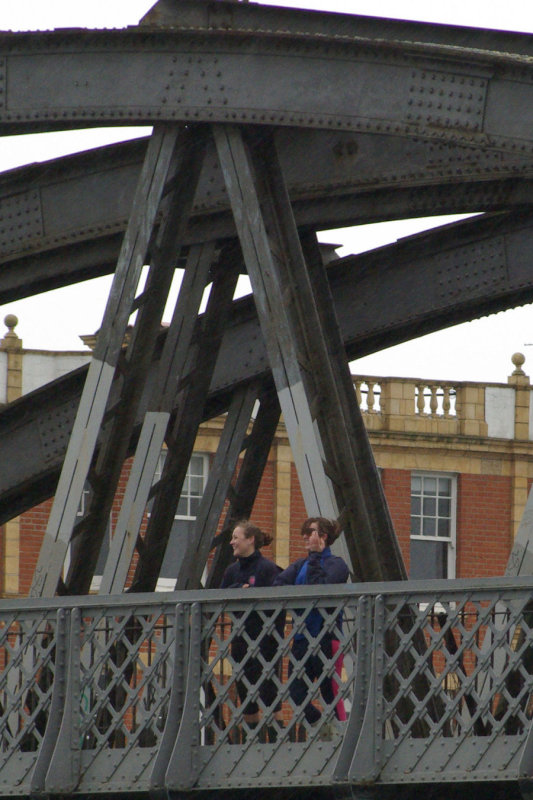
(11, 322)
(518, 360)
(11, 340)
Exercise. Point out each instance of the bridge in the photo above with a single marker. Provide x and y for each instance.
(268, 126)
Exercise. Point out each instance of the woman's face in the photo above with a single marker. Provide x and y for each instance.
(313, 539)
(242, 547)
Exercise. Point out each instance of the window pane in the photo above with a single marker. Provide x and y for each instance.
(430, 485)
(430, 506)
(416, 523)
(194, 505)
(444, 507)
(196, 486)
(445, 486)
(444, 527)
(416, 484)
(415, 505)
(182, 510)
(428, 526)
(428, 560)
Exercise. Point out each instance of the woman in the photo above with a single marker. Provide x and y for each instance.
(251, 569)
(319, 567)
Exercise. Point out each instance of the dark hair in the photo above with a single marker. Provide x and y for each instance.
(251, 531)
(329, 528)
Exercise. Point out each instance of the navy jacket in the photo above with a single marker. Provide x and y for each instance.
(322, 568)
(256, 570)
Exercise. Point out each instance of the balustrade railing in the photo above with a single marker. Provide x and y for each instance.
(207, 690)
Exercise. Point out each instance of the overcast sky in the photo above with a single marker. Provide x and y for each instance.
(56, 319)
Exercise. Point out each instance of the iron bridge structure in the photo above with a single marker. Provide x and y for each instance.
(268, 125)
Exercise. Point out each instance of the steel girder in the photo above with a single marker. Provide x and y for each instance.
(63, 221)
(292, 78)
(425, 276)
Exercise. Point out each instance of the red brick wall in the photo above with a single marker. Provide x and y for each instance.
(397, 487)
(32, 529)
(483, 521)
(483, 525)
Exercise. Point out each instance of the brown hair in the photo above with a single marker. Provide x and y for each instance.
(251, 531)
(329, 528)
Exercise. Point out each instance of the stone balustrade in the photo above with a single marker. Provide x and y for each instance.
(448, 407)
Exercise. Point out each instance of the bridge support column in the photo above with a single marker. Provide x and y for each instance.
(164, 195)
(335, 465)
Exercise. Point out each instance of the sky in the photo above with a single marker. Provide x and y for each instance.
(55, 320)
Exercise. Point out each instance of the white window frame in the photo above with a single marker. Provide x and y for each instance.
(452, 538)
(205, 475)
(167, 584)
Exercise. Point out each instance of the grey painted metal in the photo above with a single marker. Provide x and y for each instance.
(244, 491)
(191, 394)
(176, 702)
(362, 689)
(37, 427)
(218, 488)
(98, 383)
(170, 373)
(146, 75)
(308, 362)
(55, 713)
(63, 765)
(79, 205)
(156, 676)
(133, 368)
(261, 250)
(260, 19)
(183, 766)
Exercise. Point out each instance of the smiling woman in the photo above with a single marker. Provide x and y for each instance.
(252, 570)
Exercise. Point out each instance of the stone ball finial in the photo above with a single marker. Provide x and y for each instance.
(518, 360)
(11, 322)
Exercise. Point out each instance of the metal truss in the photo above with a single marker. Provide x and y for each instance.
(350, 130)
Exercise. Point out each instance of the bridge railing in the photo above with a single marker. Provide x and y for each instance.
(201, 690)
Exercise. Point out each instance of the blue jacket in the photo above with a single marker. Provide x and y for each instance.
(316, 569)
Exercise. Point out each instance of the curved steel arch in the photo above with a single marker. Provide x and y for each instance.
(68, 79)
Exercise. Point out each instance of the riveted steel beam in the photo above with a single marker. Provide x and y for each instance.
(330, 447)
(170, 373)
(244, 491)
(189, 402)
(62, 220)
(171, 156)
(68, 79)
(218, 488)
(259, 19)
(423, 273)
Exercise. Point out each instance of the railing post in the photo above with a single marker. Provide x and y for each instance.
(183, 768)
(63, 769)
(361, 694)
(368, 754)
(57, 704)
(176, 702)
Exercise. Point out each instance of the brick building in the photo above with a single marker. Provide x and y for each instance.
(456, 462)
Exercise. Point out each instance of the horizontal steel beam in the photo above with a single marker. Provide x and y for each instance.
(260, 19)
(64, 79)
(419, 285)
(62, 221)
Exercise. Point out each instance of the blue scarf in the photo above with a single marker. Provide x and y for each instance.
(314, 620)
